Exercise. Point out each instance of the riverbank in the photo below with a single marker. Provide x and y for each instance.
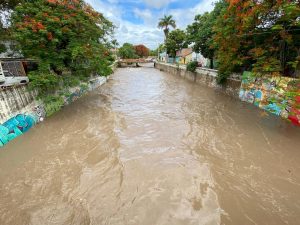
(277, 95)
(203, 76)
(20, 109)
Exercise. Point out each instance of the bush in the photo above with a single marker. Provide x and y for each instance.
(192, 66)
(2, 48)
(53, 104)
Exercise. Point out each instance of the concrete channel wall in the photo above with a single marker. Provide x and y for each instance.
(203, 76)
(20, 110)
(277, 95)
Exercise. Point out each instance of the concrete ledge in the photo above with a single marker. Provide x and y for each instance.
(202, 76)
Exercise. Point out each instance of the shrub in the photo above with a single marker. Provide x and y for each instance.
(192, 66)
(2, 48)
(53, 104)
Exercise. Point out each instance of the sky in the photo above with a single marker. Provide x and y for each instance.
(136, 20)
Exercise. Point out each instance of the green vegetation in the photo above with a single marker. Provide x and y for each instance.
(68, 39)
(192, 66)
(201, 32)
(5, 31)
(176, 40)
(153, 52)
(258, 36)
(9, 4)
(53, 104)
(165, 22)
(127, 51)
(2, 48)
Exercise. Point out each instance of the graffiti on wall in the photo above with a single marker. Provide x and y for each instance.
(15, 127)
(97, 82)
(76, 94)
(39, 112)
(277, 95)
(21, 123)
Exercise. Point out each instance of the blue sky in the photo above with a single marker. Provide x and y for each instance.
(136, 20)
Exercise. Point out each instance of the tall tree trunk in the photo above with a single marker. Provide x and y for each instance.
(166, 31)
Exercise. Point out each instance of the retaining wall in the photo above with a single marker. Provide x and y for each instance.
(203, 76)
(20, 111)
(276, 95)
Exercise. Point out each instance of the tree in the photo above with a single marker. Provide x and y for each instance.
(161, 48)
(164, 24)
(153, 52)
(141, 50)
(67, 38)
(6, 7)
(201, 32)
(260, 36)
(9, 4)
(127, 51)
(114, 43)
(176, 40)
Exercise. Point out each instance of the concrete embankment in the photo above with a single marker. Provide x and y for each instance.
(203, 76)
(275, 94)
(20, 110)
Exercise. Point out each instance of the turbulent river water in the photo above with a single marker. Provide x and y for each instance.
(149, 148)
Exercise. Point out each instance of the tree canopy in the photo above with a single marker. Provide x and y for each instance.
(141, 50)
(176, 41)
(166, 22)
(127, 51)
(258, 36)
(9, 4)
(201, 32)
(261, 36)
(67, 38)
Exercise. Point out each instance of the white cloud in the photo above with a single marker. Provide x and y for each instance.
(146, 15)
(158, 3)
(183, 17)
(147, 33)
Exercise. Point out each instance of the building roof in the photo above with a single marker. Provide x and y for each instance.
(184, 52)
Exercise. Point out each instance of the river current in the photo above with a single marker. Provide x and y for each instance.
(149, 148)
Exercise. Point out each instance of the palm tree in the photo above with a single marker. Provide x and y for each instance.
(164, 24)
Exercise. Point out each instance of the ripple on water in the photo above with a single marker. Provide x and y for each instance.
(150, 148)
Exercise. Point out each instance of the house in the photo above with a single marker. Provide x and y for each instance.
(204, 62)
(163, 57)
(184, 55)
(12, 72)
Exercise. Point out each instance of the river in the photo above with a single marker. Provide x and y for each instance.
(149, 148)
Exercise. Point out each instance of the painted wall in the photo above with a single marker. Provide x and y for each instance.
(14, 101)
(20, 124)
(20, 111)
(199, 58)
(186, 59)
(277, 95)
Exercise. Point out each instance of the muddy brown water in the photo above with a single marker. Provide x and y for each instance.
(149, 148)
